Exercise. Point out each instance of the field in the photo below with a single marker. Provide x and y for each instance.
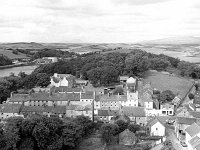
(10, 55)
(163, 81)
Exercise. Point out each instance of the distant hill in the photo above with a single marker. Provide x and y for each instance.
(175, 40)
(22, 45)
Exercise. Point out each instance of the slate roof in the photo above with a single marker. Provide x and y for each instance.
(133, 111)
(167, 106)
(79, 107)
(103, 113)
(87, 95)
(193, 130)
(18, 97)
(195, 141)
(65, 89)
(10, 108)
(106, 98)
(195, 114)
(52, 109)
(56, 80)
(147, 97)
(43, 96)
(154, 121)
(185, 120)
(107, 112)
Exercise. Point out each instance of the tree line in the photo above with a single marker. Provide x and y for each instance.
(5, 60)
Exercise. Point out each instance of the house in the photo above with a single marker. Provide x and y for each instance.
(191, 132)
(49, 111)
(62, 80)
(148, 101)
(111, 101)
(9, 110)
(127, 138)
(194, 143)
(181, 123)
(78, 110)
(156, 127)
(107, 115)
(123, 79)
(167, 109)
(16, 98)
(65, 89)
(176, 101)
(80, 82)
(136, 114)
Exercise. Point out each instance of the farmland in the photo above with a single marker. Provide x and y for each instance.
(10, 55)
(163, 81)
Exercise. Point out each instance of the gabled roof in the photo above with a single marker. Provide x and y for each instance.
(43, 96)
(87, 95)
(18, 97)
(103, 113)
(195, 141)
(56, 80)
(115, 98)
(193, 130)
(195, 114)
(52, 109)
(147, 97)
(154, 121)
(65, 89)
(79, 107)
(131, 80)
(185, 120)
(10, 108)
(133, 111)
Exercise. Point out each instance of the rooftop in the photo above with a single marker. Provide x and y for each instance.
(52, 109)
(10, 108)
(195, 141)
(185, 120)
(154, 121)
(133, 111)
(193, 130)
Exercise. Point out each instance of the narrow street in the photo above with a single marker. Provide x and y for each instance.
(175, 143)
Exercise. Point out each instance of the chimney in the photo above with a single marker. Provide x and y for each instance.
(11, 94)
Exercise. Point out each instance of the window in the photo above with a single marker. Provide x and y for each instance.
(163, 112)
(156, 129)
(170, 112)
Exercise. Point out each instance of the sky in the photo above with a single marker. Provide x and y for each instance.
(100, 21)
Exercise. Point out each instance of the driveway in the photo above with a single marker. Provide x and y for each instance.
(175, 143)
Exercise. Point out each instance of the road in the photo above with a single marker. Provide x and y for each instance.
(175, 143)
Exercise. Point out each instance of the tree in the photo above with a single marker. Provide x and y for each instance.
(86, 123)
(166, 96)
(15, 52)
(191, 96)
(22, 74)
(134, 127)
(118, 90)
(159, 64)
(108, 131)
(43, 79)
(122, 125)
(137, 64)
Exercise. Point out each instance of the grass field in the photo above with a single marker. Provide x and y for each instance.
(162, 81)
(10, 55)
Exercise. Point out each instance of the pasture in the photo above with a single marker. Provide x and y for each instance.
(164, 81)
(10, 55)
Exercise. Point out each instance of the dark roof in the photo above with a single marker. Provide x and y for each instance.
(133, 111)
(79, 107)
(43, 96)
(103, 113)
(106, 98)
(195, 114)
(123, 77)
(87, 95)
(185, 120)
(65, 89)
(193, 130)
(195, 141)
(10, 108)
(154, 121)
(52, 109)
(147, 97)
(18, 97)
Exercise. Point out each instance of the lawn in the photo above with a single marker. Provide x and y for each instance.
(10, 55)
(163, 81)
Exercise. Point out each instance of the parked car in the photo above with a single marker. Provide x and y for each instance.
(183, 144)
(168, 143)
(170, 121)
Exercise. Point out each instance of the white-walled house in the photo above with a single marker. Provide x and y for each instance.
(167, 109)
(156, 127)
(62, 80)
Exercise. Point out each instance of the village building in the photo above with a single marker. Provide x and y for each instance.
(123, 79)
(9, 110)
(62, 80)
(191, 132)
(78, 110)
(194, 143)
(59, 111)
(127, 138)
(136, 114)
(156, 127)
(107, 115)
(181, 123)
(167, 109)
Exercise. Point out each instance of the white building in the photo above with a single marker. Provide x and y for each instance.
(156, 127)
(58, 80)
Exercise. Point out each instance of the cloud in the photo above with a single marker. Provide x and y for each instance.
(139, 2)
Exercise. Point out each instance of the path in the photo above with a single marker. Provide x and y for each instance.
(158, 147)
